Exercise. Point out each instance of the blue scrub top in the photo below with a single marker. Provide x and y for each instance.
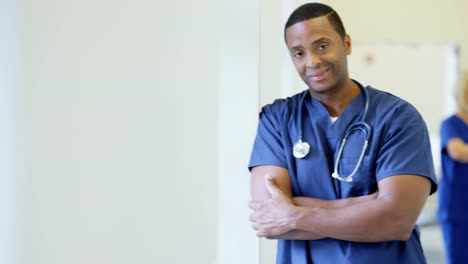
(454, 180)
(399, 144)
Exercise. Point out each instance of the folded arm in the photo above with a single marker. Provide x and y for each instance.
(457, 150)
(389, 215)
(281, 178)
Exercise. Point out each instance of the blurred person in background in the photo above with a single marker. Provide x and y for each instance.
(452, 212)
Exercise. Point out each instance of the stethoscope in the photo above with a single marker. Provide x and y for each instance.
(302, 148)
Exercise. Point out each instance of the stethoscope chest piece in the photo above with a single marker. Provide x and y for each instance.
(301, 149)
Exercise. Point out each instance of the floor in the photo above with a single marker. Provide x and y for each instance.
(431, 235)
(431, 239)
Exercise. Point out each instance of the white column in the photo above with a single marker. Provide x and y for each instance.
(9, 91)
(237, 120)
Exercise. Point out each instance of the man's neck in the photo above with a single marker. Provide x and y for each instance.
(337, 101)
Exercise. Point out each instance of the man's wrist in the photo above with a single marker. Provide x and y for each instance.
(302, 219)
(298, 214)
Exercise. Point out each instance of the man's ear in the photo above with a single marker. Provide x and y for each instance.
(347, 43)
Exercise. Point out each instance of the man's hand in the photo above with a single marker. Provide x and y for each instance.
(274, 216)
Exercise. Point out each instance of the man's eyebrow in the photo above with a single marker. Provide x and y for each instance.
(313, 43)
(320, 40)
(296, 47)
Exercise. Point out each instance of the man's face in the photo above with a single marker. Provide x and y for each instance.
(318, 53)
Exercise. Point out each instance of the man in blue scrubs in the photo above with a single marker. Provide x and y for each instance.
(368, 217)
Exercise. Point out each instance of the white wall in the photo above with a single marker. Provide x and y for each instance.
(238, 115)
(406, 21)
(10, 65)
(114, 171)
(123, 105)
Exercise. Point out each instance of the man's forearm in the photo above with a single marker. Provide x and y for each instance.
(340, 203)
(298, 234)
(371, 221)
(390, 216)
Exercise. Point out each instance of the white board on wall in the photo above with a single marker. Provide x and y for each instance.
(424, 74)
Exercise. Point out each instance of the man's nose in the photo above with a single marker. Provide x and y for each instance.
(312, 60)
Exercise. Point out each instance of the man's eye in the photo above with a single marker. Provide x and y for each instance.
(297, 54)
(323, 47)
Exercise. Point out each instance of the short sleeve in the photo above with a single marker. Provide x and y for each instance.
(406, 147)
(268, 145)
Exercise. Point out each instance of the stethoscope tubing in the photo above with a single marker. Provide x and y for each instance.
(301, 148)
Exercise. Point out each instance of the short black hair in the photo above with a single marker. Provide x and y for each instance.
(314, 10)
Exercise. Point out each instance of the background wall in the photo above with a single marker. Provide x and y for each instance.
(122, 107)
(238, 99)
(113, 171)
(406, 21)
(10, 68)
